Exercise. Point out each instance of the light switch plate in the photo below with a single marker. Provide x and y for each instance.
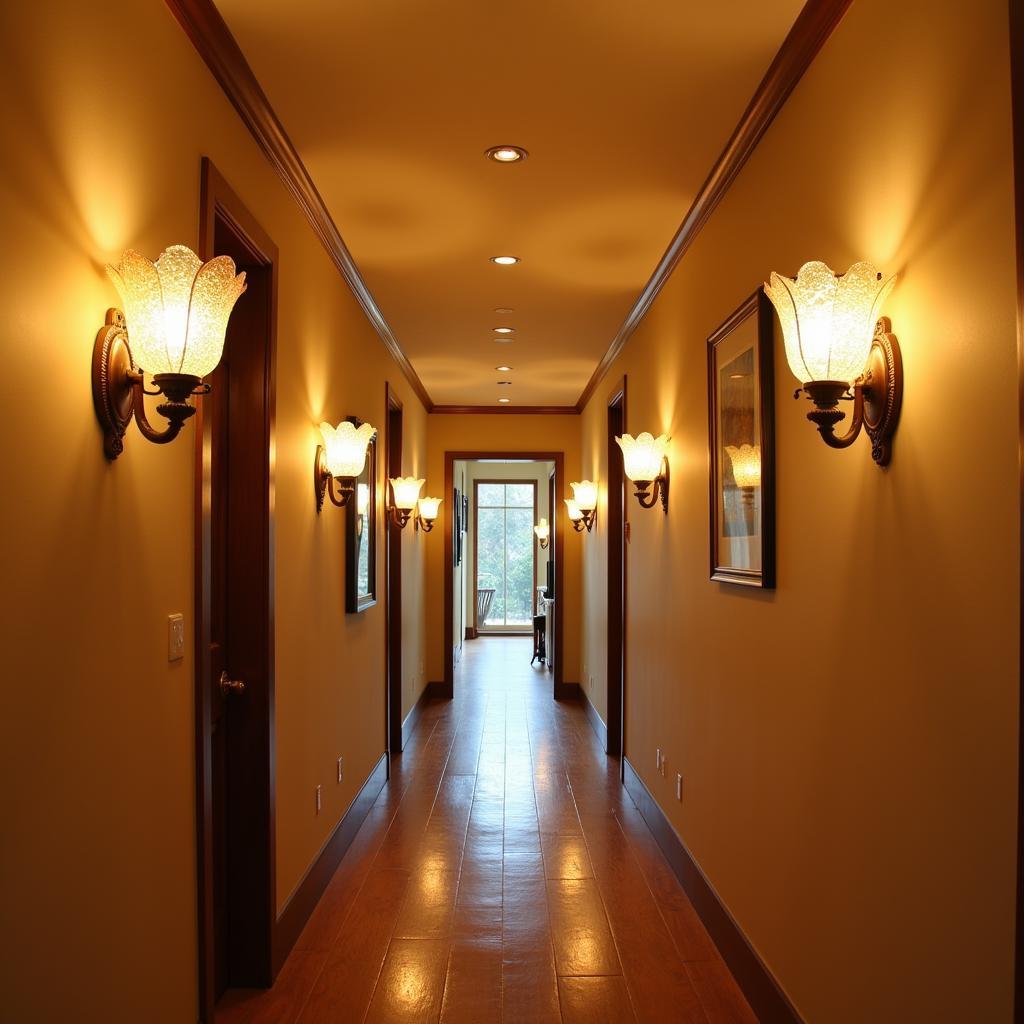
(175, 637)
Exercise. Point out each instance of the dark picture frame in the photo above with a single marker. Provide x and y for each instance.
(741, 427)
(361, 536)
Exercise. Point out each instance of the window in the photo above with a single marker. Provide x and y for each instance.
(505, 514)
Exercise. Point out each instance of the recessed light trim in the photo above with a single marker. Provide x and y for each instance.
(505, 261)
(504, 369)
(501, 310)
(504, 401)
(506, 154)
(504, 382)
(504, 330)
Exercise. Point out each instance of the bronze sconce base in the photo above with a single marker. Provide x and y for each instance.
(585, 523)
(648, 497)
(324, 484)
(426, 525)
(118, 391)
(401, 516)
(543, 544)
(876, 395)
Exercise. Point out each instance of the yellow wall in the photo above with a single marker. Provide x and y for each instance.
(483, 432)
(848, 743)
(107, 112)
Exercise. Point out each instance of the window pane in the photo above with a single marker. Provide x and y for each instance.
(490, 560)
(490, 494)
(520, 495)
(519, 566)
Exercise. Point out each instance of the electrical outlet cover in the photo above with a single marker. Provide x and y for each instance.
(175, 637)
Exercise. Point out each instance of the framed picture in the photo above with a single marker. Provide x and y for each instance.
(742, 428)
(458, 527)
(361, 536)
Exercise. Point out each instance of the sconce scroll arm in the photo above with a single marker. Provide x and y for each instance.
(148, 431)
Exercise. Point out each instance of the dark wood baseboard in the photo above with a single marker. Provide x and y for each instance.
(596, 722)
(412, 719)
(470, 632)
(567, 691)
(763, 993)
(307, 894)
(438, 691)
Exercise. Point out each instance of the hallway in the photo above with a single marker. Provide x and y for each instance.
(503, 874)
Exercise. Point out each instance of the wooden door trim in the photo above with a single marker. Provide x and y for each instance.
(450, 458)
(811, 29)
(394, 733)
(218, 202)
(616, 625)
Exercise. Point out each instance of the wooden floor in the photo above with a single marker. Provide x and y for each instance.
(504, 874)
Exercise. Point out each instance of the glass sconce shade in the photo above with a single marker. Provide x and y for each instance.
(828, 320)
(345, 447)
(746, 464)
(177, 309)
(642, 456)
(573, 510)
(429, 507)
(406, 490)
(543, 531)
(585, 494)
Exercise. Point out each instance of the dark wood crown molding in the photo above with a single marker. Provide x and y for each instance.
(813, 26)
(507, 410)
(213, 40)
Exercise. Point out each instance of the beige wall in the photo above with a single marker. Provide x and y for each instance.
(107, 110)
(848, 743)
(483, 432)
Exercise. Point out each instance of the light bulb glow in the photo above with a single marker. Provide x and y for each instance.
(345, 447)
(504, 330)
(505, 261)
(573, 510)
(828, 321)
(542, 530)
(641, 456)
(177, 309)
(585, 495)
(406, 491)
(507, 154)
(746, 464)
(428, 508)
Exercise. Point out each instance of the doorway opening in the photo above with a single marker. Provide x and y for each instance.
(500, 580)
(235, 616)
(617, 527)
(393, 592)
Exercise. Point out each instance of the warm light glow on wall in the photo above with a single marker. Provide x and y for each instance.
(746, 464)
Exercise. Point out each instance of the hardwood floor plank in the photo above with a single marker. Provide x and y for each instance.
(411, 984)
(595, 1001)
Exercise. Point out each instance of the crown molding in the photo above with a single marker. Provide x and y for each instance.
(216, 45)
(813, 26)
(509, 410)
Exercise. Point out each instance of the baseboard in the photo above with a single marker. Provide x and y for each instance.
(596, 721)
(438, 691)
(412, 719)
(470, 633)
(304, 899)
(567, 691)
(766, 998)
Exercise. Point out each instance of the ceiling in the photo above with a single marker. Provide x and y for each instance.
(623, 108)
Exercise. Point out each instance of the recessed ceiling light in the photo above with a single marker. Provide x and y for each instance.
(506, 154)
(504, 382)
(504, 330)
(504, 309)
(504, 401)
(503, 369)
(505, 261)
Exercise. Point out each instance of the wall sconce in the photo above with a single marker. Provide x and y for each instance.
(840, 349)
(406, 493)
(543, 532)
(426, 513)
(582, 505)
(339, 460)
(176, 314)
(645, 462)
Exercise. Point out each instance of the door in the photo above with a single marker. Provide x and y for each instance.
(505, 512)
(234, 616)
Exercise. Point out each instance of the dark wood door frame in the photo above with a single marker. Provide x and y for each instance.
(557, 519)
(393, 584)
(225, 223)
(617, 522)
(1016, 23)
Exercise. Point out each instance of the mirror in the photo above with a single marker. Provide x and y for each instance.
(361, 536)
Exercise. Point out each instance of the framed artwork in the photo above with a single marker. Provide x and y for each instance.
(742, 427)
(458, 525)
(361, 536)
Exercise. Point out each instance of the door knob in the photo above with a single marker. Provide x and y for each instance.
(230, 685)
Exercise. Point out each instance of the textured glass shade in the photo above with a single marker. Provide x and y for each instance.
(573, 509)
(828, 321)
(346, 447)
(362, 499)
(746, 464)
(406, 490)
(641, 456)
(429, 508)
(177, 309)
(542, 530)
(585, 494)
